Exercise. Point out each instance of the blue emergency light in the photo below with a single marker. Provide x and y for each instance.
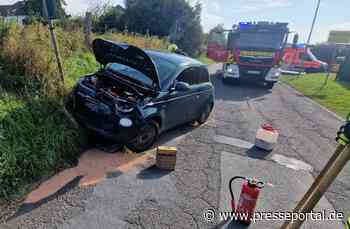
(244, 25)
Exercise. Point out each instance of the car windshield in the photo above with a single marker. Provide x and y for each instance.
(165, 69)
(260, 40)
(132, 73)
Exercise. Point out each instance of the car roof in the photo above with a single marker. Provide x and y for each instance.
(179, 60)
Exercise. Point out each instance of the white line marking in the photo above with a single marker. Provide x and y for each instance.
(291, 163)
(233, 141)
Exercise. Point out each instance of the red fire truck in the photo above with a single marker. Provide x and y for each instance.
(255, 52)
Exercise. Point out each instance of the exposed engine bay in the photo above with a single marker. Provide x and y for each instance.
(122, 97)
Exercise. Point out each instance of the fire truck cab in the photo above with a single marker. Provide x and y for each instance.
(255, 52)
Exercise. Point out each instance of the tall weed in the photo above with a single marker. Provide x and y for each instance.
(34, 140)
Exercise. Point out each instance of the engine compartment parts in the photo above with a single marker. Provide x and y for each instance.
(166, 158)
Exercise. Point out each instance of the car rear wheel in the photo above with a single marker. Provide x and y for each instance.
(205, 114)
(146, 138)
(270, 85)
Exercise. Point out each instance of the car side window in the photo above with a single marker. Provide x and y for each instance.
(194, 76)
(204, 76)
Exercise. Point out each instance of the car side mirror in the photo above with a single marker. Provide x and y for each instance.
(182, 86)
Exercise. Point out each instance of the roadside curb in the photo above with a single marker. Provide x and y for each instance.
(290, 88)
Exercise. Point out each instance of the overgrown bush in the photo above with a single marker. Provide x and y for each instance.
(141, 41)
(27, 51)
(34, 140)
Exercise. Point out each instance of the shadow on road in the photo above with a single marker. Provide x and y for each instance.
(169, 136)
(242, 92)
(257, 153)
(152, 173)
(230, 225)
(236, 225)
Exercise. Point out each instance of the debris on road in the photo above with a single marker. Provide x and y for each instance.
(266, 137)
(166, 157)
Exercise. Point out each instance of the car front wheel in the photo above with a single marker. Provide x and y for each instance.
(270, 85)
(205, 114)
(146, 138)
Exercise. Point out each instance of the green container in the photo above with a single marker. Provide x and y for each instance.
(344, 71)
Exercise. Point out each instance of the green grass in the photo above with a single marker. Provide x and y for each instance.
(35, 136)
(78, 65)
(205, 60)
(35, 139)
(335, 95)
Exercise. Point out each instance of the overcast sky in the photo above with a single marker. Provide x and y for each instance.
(299, 13)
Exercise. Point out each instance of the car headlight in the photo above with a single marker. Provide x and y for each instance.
(232, 69)
(125, 122)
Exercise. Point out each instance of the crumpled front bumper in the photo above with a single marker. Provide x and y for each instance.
(100, 118)
(116, 132)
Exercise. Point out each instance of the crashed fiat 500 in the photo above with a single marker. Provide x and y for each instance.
(139, 94)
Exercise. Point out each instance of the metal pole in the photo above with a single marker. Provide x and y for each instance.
(321, 184)
(54, 43)
(313, 22)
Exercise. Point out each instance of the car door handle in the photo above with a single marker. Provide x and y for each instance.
(198, 96)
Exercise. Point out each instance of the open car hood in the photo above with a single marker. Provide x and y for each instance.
(109, 52)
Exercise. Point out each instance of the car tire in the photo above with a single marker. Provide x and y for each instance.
(224, 80)
(205, 114)
(270, 85)
(148, 135)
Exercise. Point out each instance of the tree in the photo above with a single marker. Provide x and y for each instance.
(187, 32)
(111, 18)
(217, 35)
(34, 8)
(153, 16)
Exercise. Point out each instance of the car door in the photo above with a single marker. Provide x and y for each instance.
(202, 90)
(176, 105)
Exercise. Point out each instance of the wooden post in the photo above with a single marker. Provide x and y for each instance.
(54, 44)
(88, 29)
(59, 61)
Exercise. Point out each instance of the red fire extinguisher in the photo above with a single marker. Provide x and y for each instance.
(249, 197)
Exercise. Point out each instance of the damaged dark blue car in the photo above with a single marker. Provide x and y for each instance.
(139, 94)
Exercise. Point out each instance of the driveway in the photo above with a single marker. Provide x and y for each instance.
(208, 156)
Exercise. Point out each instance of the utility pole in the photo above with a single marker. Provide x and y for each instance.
(313, 22)
(54, 43)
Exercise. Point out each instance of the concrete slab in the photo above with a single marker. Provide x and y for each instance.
(288, 188)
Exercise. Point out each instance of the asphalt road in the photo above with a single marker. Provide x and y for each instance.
(207, 157)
